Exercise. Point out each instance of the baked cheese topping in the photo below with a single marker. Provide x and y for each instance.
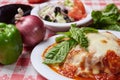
(102, 55)
(100, 44)
(87, 62)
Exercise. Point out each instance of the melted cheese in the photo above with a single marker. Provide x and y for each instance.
(100, 44)
(90, 61)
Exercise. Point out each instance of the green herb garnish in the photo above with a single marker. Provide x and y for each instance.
(59, 52)
(79, 36)
(75, 36)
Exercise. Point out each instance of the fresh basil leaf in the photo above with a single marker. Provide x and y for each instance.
(63, 35)
(76, 36)
(73, 25)
(58, 53)
(79, 36)
(59, 39)
(89, 30)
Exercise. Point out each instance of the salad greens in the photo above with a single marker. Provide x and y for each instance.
(68, 3)
(109, 18)
(75, 36)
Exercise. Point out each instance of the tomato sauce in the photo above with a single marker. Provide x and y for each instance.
(110, 61)
(102, 76)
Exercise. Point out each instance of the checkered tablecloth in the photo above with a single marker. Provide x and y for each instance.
(23, 69)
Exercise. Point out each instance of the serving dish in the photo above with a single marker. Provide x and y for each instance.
(61, 26)
(8, 12)
(43, 69)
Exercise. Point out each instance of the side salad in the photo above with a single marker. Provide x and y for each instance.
(63, 11)
(108, 18)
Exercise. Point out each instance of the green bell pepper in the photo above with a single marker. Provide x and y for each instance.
(10, 44)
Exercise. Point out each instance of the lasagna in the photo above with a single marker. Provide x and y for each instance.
(100, 61)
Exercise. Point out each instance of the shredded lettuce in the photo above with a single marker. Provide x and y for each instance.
(68, 3)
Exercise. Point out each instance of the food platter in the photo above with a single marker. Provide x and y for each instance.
(43, 69)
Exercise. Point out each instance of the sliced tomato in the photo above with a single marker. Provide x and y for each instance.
(78, 11)
(80, 5)
(75, 13)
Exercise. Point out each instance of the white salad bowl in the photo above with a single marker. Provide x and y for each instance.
(61, 26)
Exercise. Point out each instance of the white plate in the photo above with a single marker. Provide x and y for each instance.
(43, 69)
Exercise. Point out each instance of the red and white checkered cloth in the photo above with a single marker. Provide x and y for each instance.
(94, 4)
(23, 69)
